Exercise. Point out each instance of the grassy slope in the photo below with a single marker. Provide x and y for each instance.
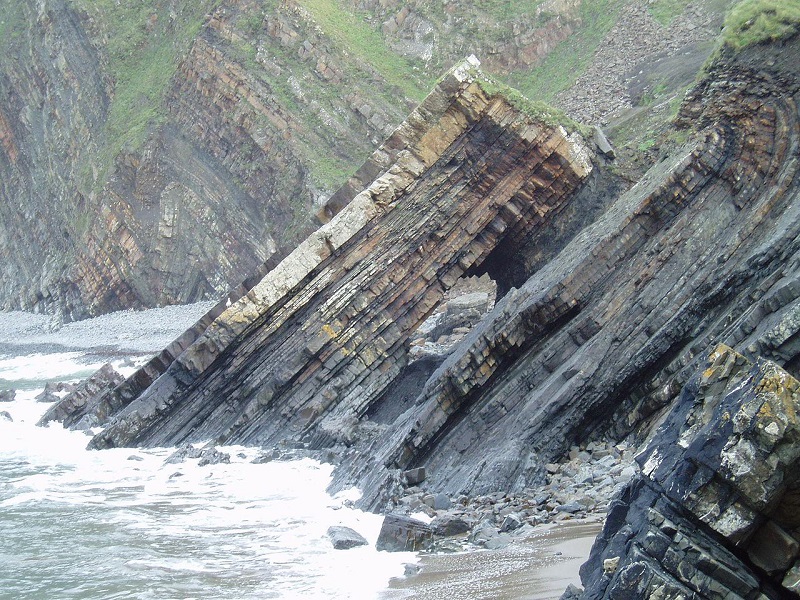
(354, 35)
(569, 59)
(754, 21)
(12, 24)
(145, 41)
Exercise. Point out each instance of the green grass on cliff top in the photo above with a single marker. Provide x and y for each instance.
(540, 111)
(754, 21)
(569, 59)
(145, 40)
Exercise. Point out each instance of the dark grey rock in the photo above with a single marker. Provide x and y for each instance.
(448, 525)
(572, 592)
(6, 416)
(709, 493)
(85, 402)
(51, 389)
(511, 522)
(442, 502)
(344, 538)
(415, 476)
(400, 533)
(7, 395)
(772, 548)
(212, 456)
(570, 508)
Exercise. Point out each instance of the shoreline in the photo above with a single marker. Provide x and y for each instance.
(538, 567)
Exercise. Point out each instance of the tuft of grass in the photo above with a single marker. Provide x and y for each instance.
(570, 58)
(752, 22)
(145, 41)
(665, 11)
(540, 111)
(12, 25)
(354, 35)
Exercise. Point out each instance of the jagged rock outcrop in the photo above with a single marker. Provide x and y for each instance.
(311, 347)
(713, 513)
(603, 336)
(70, 408)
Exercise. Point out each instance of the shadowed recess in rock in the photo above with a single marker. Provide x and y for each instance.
(312, 345)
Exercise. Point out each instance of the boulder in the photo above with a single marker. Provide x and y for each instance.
(400, 533)
(5, 416)
(442, 502)
(78, 405)
(414, 476)
(207, 456)
(7, 395)
(344, 538)
(448, 525)
(511, 522)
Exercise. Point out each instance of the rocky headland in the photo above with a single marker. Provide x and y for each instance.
(664, 316)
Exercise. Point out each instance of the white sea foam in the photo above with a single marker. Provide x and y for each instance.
(124, 523)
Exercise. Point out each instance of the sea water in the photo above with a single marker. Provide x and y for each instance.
(125, 523)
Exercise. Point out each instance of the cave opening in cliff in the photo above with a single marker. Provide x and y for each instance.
(504, 266)
(462, 307)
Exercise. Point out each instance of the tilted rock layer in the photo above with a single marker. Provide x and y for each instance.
(714, 512)
(312, 346)
(610, 328)
(158, 152)
(601, 337)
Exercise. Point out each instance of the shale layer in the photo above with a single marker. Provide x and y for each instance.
(311, 347)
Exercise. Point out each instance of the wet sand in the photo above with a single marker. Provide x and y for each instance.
(535, 568)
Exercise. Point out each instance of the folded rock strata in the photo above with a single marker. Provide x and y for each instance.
(603, 336)
(312, 345)
(597, 340)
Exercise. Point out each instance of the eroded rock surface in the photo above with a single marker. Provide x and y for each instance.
(310, 348)
(713, 513)
(608, 326)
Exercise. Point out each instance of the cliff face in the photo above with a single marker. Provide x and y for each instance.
(166, 170)
(158, 152)
(597, 341)
(315, 344)
(610, 307)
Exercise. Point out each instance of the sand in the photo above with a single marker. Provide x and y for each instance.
(535, 568)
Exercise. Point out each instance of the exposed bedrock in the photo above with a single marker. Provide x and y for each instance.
(602, 337)
(313, 345)
(714, 512)
(603, 325)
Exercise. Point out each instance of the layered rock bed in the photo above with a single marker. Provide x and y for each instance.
(677, 306)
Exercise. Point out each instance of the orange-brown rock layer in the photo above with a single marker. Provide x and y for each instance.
(321, 336)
